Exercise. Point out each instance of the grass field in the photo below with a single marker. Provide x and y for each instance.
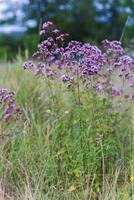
(58, 150)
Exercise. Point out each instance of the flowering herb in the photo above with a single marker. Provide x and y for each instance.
(84, 63)
(8, 109)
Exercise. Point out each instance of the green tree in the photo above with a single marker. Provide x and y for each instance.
(85, 19)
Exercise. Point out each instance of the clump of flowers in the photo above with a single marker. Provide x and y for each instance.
(75, 56)
(82, 63)
(9, 111)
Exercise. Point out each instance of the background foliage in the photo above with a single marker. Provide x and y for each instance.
(85, 20)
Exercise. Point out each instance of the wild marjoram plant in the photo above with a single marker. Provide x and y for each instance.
(9, 110)
(82, 63)
(85, 66)
(74, 145)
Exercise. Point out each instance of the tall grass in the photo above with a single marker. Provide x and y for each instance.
(58, 150)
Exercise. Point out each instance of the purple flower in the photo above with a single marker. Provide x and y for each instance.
(91, 59)
(98, 88)
(56, 32)
(2, 91)
(113, 91)
(126, 60)
(28, 65)
(112, 46)
(7, 117)
(46, 28)
(72, 53)
(65, 78)
(85, 61)
(61, 37)
(8, 107)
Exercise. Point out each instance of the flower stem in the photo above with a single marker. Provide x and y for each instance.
(78, 88)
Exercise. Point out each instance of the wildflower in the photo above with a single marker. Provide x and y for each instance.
(85, 61)
(72, 188)
(112, 46)
(46, 28)
(62, 37)
(8, 106)
(88, 58)
(132, 179)
(48, 111)
(66, 112)
(113, 90)
(65, 78)
(56, 32)
(98, 88)
(126, 60)
(28, 65)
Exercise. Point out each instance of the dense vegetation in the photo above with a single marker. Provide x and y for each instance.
(58, 150)
(68, 131)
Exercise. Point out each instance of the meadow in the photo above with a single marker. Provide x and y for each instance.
(57, 150)
(70, 142)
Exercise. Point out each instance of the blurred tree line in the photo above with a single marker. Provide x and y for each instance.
(84, 20)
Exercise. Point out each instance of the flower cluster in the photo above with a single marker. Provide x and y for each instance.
(8, 109)
(112, 46)
(85, 58)
(93, 66)
(117, 64)
(93, 59)
(50, 51)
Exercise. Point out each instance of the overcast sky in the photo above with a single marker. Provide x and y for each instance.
(15, 6)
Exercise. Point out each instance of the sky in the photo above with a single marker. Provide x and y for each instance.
(18, 26)
(16, 8)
